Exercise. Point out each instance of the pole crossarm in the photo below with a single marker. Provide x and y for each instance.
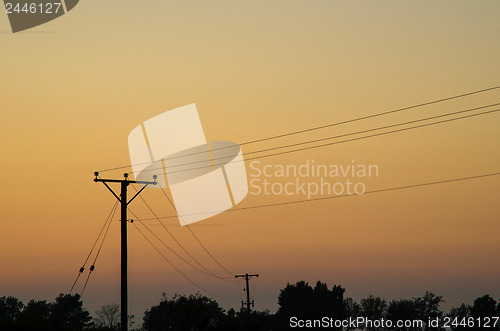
(246, 275)
(125, 181)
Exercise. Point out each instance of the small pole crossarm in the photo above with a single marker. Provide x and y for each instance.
(243, 276)
(143, 182)
(110, 180)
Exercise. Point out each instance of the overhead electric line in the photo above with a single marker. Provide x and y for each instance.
(92, 267)
(376, 135)
(204, 270)
(196, 237)
(370, 116)
(183, 248)
(339, 142)
(332, 137)
(343, 196)
(82, 268)
(341, 122)
(173, 266)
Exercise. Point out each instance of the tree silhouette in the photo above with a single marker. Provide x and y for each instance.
(35, 316)
(304, 302)
(329, 302)
(352, 310)
(67, 313)
(257, 321)
(428, 308)
(373, 308)
(294, 300)
(483, 309)
(458, 314)
(197, 312)
(484, 306)
(108, 316)
(402, 310)
(498, 308)
(10, 310)
(186, 313)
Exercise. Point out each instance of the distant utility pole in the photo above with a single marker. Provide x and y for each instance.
(124, 203)
(247, 303)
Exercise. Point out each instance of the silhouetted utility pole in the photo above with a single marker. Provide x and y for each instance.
(124, 203)
(247, 303)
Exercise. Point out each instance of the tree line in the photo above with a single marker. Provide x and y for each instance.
(299, 304)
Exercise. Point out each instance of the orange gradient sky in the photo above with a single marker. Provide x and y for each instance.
(73, 89)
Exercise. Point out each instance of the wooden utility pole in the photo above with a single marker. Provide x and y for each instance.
(124, 203)
(247, 303)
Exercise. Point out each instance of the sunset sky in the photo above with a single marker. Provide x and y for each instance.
(74, 88)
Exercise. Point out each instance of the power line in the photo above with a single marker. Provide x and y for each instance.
(376, 135)
(93, 246)
(173, 266)
(370, 116)
(339, 142)
(341, 122)
(335, 137)
(344, 195)
(169, 248)
(207, 272)
(373, 129)
(198, 240)
(175, 239)
(92, 267)
(375, 191)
